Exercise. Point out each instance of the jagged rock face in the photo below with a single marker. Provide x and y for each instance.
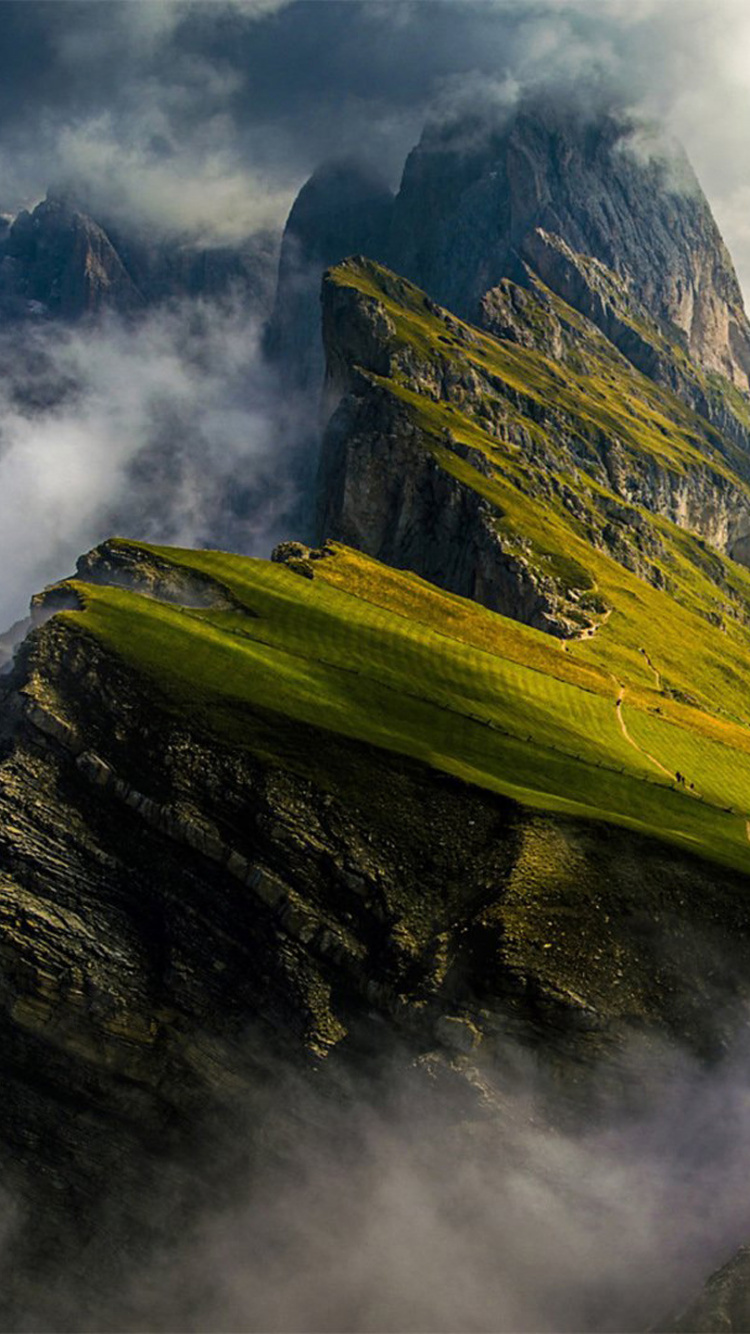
(344, 209)
(654, 347)
(163, 269)
(546, 192)
(58, 261)
(383, 492)
(473, 196)
(384, 488)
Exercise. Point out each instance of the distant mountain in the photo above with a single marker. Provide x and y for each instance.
(59, 262)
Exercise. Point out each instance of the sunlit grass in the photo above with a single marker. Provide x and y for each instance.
(378, 669)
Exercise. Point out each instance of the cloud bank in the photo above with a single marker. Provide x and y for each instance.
(423, 1202)
(209, 116)
(166, 430)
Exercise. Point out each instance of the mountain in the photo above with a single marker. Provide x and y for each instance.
(461, 790)
(512, 476)
(473, 196)
(57, 261)
(360, 812)
(601, 208)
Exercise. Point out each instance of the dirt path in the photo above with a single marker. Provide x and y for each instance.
(657, 674)
(689, 791)
(651, 758)
(590, 630)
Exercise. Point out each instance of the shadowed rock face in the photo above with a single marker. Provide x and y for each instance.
(473, 196)
(182, 919)
(60, 260)
(724, 1305)
(383, 486)
(343, 209)
(544, 191)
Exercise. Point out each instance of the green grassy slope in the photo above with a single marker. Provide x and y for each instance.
(597, 726)
(369, 653)
(691, 615)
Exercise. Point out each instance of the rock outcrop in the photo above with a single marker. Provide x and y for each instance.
(602, 209)
(724, 1305)
(473, 195)
(655, 347)
(58, 260)
(182, 918)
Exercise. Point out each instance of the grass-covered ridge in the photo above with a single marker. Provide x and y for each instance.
(368, 653)
(607, 394)
(597, 726)
(541, 432)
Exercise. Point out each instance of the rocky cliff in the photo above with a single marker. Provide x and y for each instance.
(473, 195)
(607, 213)
(441, 436)
(724, 1303)
(59, 260)
(273, 831)
(287, 873)
(343, 209)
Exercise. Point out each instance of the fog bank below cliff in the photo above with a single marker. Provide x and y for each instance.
(460, 1198)
(166, 429)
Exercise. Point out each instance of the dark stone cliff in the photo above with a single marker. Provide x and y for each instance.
(343, 209)
(183, 918)
(473, 199)
(388, 484)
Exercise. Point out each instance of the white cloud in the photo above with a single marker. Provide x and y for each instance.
(144, 176)
(166, 430)
(427, 1203)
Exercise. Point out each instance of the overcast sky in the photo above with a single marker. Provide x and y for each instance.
(210, 115)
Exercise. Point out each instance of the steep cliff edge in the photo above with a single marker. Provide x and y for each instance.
(724, 1304)
(58, 259)
(316, 807)
(343, 209)
(655, 347)
(600, 207)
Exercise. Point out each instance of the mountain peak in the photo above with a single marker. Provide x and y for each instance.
(610, 186)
